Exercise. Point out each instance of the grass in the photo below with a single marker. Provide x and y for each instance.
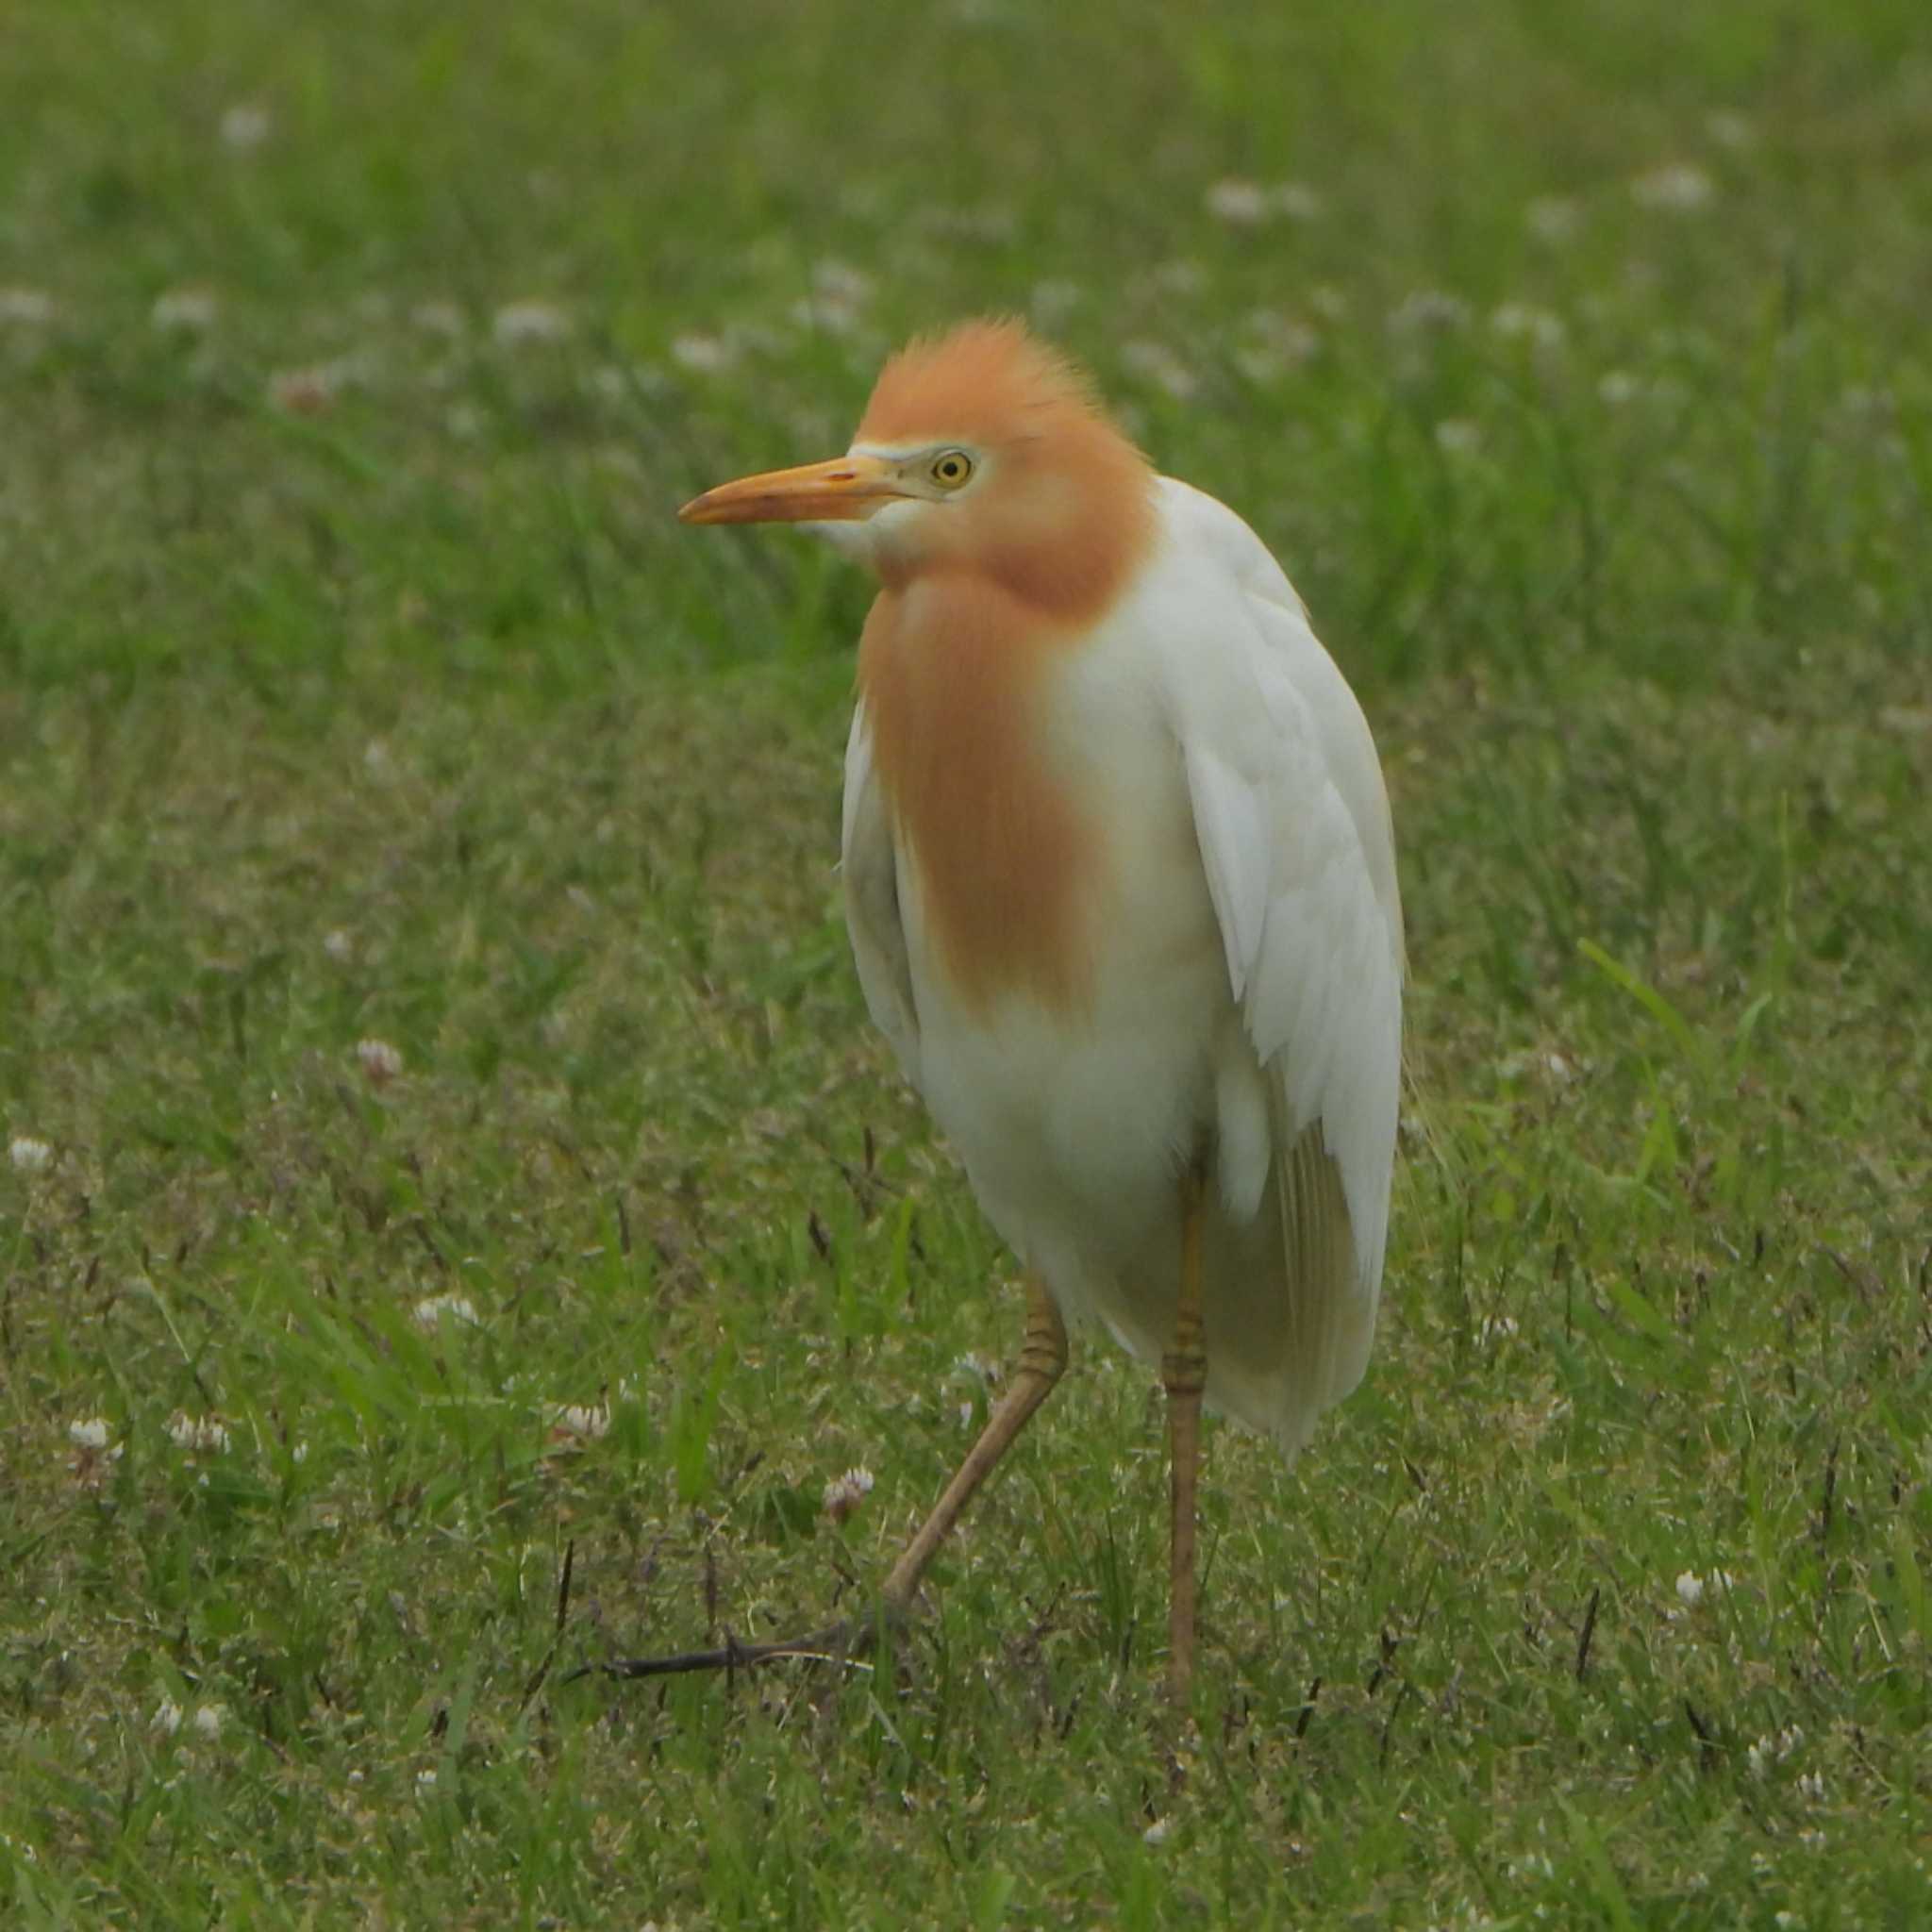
(358, 687)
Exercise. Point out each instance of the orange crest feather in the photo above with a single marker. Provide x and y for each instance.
(986, 381)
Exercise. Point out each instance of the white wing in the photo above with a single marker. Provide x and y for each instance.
(1293, 821)
(869, 867)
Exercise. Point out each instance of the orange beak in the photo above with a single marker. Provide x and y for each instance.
(843, 490)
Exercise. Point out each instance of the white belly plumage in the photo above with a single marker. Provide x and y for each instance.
(1074, 1139)
(1074, 1135)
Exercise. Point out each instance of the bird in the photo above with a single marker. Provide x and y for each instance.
(1119, 874)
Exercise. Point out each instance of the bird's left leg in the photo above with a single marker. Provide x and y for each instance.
(1184, 1374)
(1042, 1360)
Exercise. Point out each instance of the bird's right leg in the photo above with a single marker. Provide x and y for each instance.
(1042, 1360)
(1184, 1373)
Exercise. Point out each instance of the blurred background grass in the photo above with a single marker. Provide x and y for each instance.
(356, 684)
(415, 356)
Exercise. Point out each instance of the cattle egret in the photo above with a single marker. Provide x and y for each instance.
(1121, 886)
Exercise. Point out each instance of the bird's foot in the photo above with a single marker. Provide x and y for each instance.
(847, 1642)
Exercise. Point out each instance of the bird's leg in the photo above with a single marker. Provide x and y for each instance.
(1043, 1359)
(1184, 1373)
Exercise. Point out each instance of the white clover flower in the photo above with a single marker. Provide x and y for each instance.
(88, 1432)
(307, 392)
(380, 1062)
(1690, 1590)
(29, 1155)
(1553, 218)
(702, 354)
(1523, 321)
(437, 318)
(207, 1720)
(989, 223)
(844, 1493)
(829, 311)
(587, 1420)
(1159, 1832)
(246, 127)
(196, 1432)
(1299, 202)
(1428, 311)
(1280, 342)
(1760, 1757)
(518, 323)
(1288, 333)
(1861, 399)
(1262, 367)
(425, 1782)
(1678, 189)
(30, 308)
(1241, 204)
(1155, 362)
(838, 281)
(1244, 204)
(429, 1311)
(1812, 1783)
(167, 1717)
(1053, 300)
(1179, 274)
(189, 310)
(338, 945)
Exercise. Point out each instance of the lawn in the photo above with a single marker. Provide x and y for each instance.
(441, 1149)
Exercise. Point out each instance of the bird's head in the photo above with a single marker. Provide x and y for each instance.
(983, 452)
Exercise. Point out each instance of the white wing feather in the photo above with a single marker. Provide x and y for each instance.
(1293, 821)
(870, 869)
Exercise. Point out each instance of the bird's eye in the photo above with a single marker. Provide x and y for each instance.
(951, 467)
